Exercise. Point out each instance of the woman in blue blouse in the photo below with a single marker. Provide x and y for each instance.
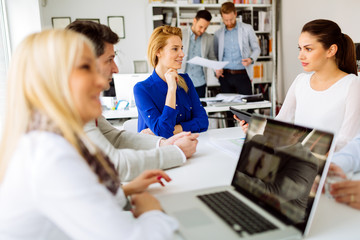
(167, 102)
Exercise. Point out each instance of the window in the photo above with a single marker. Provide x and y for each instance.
(4, 59)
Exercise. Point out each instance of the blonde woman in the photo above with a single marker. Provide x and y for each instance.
(167, 102)
(54, 182)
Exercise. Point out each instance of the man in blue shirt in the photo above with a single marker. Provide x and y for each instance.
(196, 42)
(237, 43)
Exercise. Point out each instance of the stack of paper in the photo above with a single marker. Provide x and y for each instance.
(207, 63)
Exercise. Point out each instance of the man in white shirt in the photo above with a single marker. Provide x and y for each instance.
(196, 42)
(131, 153)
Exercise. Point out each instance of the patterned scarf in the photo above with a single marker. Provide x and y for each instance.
(40, 122)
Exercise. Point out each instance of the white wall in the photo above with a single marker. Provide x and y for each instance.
(294, 14)
(133, 47)
(23, 19)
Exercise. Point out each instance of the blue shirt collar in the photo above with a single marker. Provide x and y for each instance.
(159, 82)
(235, 28)
(192, 35)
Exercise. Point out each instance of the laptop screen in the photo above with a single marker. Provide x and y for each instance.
(279, 167)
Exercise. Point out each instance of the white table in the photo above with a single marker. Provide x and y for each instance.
(211, 167)
(133, 113)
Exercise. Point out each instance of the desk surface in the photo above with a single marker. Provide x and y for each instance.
(133, 113)
(211, 167)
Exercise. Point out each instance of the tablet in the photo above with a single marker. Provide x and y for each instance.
(242, 115)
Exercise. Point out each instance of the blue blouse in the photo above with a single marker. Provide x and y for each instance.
(150, 96)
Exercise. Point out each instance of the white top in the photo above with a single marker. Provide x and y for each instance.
(49, 192)
(335, 109)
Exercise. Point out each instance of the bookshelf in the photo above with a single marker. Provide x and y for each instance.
(261, 14)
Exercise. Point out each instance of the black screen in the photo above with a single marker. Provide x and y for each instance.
(279, 166)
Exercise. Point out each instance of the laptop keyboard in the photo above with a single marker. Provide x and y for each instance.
(235, 213)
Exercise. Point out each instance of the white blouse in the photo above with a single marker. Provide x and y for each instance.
(49, 192)
(336, 109)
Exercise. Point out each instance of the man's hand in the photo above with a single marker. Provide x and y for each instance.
(219, 73)
(347, 192)
(188, 144)
(142, 182)
(336, 169)
(147, 131)
(186, 141)
(171, 140)
(246, 62)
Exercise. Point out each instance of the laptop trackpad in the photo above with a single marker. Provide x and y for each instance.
(192, 217)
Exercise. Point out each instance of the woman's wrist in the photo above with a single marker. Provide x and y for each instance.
(127, 189)
(172, 89)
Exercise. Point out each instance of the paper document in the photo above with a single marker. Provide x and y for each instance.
(232, 97)
(207, 63)
(231, 146)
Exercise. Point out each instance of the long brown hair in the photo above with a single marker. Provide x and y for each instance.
(157, 41)
(328, 33)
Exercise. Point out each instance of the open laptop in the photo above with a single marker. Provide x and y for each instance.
(124, 85)
(274, 192)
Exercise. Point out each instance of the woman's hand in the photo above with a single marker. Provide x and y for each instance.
(177, 129)
(171, 77)
(144, 202)
(242, 124)
(142, 182)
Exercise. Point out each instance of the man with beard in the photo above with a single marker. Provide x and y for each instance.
(236, 43)
(197, 42)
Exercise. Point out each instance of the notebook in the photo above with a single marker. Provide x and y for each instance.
(274, 192)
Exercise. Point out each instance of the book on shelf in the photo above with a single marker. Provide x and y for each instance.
(158, 23)
(208, 1)
(262, 71)
(157, 11)
(158, 17)
(245, 16)
(264, 20)
(173, 22)
(264, 44)
(256, 20)
(252, 1)
(168, 15)
(187, 14)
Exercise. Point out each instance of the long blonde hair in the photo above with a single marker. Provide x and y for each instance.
(157, 41)
(38, 80)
